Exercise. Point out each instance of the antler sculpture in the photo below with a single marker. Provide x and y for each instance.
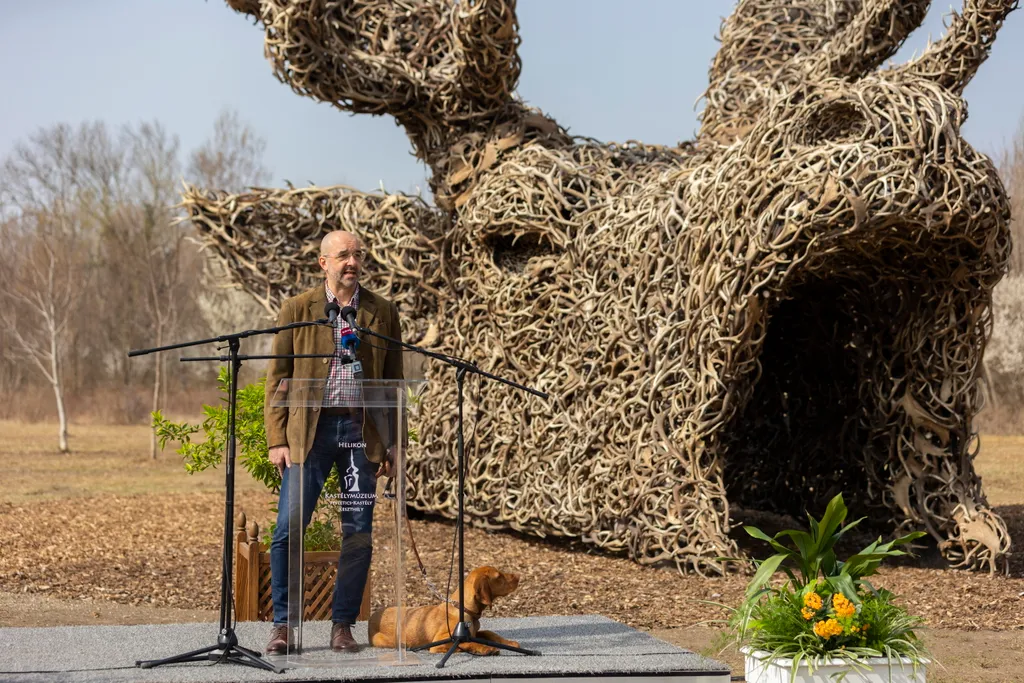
(794, 304)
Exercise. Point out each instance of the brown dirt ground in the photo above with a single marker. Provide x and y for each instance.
(107, 535)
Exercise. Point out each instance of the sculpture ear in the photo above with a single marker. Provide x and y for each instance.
(486, 36)
(952, 61)
(807, 44)
(425, 63)
(363, 56)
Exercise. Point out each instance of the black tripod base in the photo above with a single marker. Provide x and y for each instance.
(226, 650)
(462, 635)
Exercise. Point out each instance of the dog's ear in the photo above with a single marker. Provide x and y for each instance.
(483, 589)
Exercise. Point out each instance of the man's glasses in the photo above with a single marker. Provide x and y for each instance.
(359, 254)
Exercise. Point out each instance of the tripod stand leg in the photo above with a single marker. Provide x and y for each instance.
(503, 646)
(249, 653)
(241, 655)
(420, 648)
(193, 656)
(217, 653)
(455, 646)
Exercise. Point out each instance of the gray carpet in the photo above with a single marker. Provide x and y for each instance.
(570, 647)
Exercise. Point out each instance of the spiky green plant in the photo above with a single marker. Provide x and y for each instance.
(825, 609)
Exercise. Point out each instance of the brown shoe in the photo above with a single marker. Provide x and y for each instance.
(278, 644)
(342, 640)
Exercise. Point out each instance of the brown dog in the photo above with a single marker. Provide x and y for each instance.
(422, 625)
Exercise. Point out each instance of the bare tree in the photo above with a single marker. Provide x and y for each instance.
(142, 244)
(1011, 169)
(111, 193)
(1004, 354)
(40, 285)
(42, 173)
(158, 242)
(44, 276)
(232, 159)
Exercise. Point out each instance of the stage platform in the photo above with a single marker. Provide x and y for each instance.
(572, 649)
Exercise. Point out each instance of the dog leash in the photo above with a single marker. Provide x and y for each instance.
(389, 492)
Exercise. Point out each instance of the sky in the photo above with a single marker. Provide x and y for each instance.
(614, 70)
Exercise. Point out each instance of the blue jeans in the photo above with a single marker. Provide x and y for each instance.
(337, 441)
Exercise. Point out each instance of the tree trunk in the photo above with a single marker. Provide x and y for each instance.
(157, 378)
(988, 389)
(62, 418)
(58, 390)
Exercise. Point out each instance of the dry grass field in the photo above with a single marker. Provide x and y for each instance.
(107, 535)
(105, 460)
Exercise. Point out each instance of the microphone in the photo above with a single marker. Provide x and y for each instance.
(348, 314)
(331, 310)
(349, 339)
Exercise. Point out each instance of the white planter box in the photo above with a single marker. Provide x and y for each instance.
(781, 671)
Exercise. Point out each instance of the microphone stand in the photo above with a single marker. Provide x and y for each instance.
(227, 648)
(461, 633)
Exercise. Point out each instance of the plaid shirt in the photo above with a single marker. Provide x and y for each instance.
(341, 390)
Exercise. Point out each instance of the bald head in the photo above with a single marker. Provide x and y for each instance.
(339, 240)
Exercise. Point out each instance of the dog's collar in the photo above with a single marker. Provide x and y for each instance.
(455, 604)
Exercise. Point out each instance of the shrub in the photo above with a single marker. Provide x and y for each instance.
(249, 432)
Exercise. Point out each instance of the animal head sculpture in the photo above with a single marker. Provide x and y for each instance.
(792, 305)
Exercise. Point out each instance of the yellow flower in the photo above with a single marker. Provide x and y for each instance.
(812, 600)
(844, 608)
(827, 629)
(808, 613)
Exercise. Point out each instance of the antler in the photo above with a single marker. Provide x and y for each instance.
(487, 37)
(953, 61)
(438, 66)
(250, 7)
(770, 47)
(872, 36)
(267, 239)
(363, 57)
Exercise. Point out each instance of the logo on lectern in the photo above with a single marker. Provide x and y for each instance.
(352, 478)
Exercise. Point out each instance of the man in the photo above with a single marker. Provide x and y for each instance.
(325, 432)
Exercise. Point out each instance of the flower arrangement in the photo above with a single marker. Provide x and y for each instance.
(826, 611)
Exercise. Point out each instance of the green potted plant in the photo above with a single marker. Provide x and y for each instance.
(825, 621)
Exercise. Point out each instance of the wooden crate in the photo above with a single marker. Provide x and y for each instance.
(252, 579)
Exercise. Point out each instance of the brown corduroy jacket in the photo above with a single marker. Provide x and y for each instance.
(295, 426)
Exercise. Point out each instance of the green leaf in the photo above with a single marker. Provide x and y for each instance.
(833, 518)
(803, 541)
(851, 525)
(792, 577)
(762, 536)
(765, 572)
(813, 524)
(845, 585)
(829, 563)
(806, 558)
(865, 582)
(758, 534)
(908, 538)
